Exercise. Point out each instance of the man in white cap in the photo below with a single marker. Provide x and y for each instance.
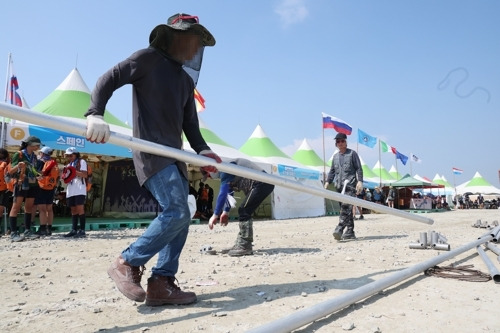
(346, 171)
(163, 77)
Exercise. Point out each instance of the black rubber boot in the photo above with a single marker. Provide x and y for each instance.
(337, 233)
(349, 234)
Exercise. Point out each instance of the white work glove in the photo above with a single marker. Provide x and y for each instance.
(97, 129)
(326, 185)
(359, 187)
(224, 219)
(212, 155)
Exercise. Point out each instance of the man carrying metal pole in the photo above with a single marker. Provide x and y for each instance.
(163, 77)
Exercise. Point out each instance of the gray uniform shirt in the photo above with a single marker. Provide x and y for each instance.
(162, 106)
(345, 166)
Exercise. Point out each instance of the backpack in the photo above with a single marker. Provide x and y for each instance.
(10, 180)
(3, 184)
(88, 179)
(50, 173)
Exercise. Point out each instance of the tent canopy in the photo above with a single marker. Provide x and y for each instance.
(478, 185)
(409, 181)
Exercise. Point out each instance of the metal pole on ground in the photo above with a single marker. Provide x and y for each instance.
(306, 316)
(495, 274)
(73, 127)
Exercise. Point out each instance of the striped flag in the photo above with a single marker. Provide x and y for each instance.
(457, 171)
(15, 99)
(199, 101)
(337, 124)
(386, 148)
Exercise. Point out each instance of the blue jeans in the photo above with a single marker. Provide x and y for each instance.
(167, 233)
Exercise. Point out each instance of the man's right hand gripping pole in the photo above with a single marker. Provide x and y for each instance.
(97, 129)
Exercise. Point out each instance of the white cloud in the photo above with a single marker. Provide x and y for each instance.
(291, 11)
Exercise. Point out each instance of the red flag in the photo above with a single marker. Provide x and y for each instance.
(15, 99)
(199, 101)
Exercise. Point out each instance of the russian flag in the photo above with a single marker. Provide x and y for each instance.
(15, 99)
(336, 124)
(457, 171)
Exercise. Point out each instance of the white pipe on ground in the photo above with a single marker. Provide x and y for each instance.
(62, 124)
(306, 316)
(495, 274)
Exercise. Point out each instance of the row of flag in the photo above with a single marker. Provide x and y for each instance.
(370, 141)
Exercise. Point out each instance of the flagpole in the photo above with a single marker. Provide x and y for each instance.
(396, 159)
(380, 169)
(324, 157)
(2, 136)
(7, 78)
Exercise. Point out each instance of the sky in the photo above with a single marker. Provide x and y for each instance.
(423, 76)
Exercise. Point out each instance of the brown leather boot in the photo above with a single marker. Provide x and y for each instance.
(128, 279)
(162, 290)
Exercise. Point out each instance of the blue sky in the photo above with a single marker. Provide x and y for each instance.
(423, 76)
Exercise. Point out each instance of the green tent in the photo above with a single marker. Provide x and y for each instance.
(409, 181)
(72, 99)
(260, 147)
(308, 157)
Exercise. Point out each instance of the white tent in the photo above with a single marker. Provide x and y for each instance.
(478, 185)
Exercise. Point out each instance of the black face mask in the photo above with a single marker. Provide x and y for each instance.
(161, 37)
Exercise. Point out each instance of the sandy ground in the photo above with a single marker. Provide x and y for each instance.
(55, 284)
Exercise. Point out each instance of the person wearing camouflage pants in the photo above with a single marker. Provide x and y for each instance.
(255, 193)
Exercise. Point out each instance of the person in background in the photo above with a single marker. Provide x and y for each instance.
(368, 194)
(391, 196)
(346, 169)
(23, 168)
(255, 193)
(378, 196)
(210, 201)
(4, 193)
(48, 180)
(74, 175)
(163, 77)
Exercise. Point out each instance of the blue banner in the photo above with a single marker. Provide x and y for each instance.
(62, 140)
(295, 172)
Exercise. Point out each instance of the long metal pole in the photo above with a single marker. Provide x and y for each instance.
(306, 316)
(123, 140)
(494, 249)
(495, 274)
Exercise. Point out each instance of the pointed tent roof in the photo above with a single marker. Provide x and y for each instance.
(221, 147)
(263, 149)
(424, 179)
(446, 182)
(308, 157)
(477, 185)
(394, 173)
(71, 99)
(448, 189)
(379, 170)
